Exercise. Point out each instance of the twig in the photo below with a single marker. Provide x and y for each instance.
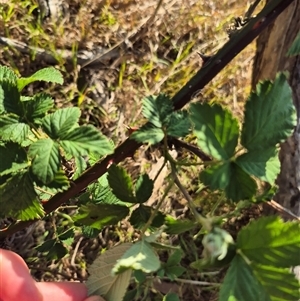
(282, 209)
(205, 75)
(132, 37)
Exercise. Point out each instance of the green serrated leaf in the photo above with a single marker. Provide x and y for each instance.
(140, 256)
(46, 159)
(104, 195)
(49, 74)
(270, 241)
(10, 98)
(121, 184)
(84, 140)
(19, 200)
(175, 226)
(240, 284)
(179, 124)
(60, 123)
(216, 129)
(66, 234)
(15, 158)
(140, 216)
(143, 188)
(101, 282)
(148, 134)
(241, 186)
(157, 109)
(216, 176)
(11, 129)
(263, 164)
(171, 297)
(280, 283)
(7, 74)
(57, 252)
(173, 272)
(37, 106)
(174, 258)
(100, 215)
(90, 232)
(270, 115)
(295, 48)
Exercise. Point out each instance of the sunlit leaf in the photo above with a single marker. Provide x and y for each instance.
(102, 282)
(270, 115)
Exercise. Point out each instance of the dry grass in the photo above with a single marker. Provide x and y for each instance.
(162, 59)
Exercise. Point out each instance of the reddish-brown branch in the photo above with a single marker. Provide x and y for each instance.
(210, 69)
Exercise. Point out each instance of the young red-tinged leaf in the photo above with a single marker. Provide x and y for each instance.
(270, 241)
(100, 215)
(270, 115)
(263, 164)
(121, 184)
(101, 281)
(216, 129)
(240, 284)
(46, 159)
(143, 188)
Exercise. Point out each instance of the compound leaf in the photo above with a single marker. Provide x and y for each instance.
(216, 129)
(270, 241)
(49, 74)
(121, 184)
(46, 159)
(102, 282)
(270, 115)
